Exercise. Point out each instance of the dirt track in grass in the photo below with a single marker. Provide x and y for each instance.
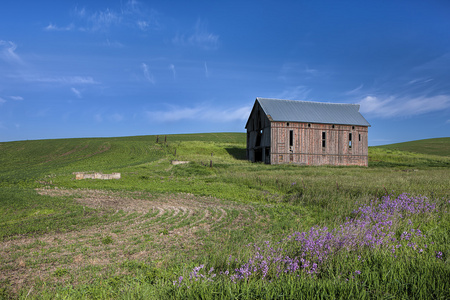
(145, 228)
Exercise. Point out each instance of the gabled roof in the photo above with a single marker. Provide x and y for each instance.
(312, 112)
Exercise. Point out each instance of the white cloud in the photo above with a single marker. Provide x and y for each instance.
(143, 25)
(76, 92)
(201, 38)
(386, 107)
(104, 19)
(98, 118)
(116, 117)
(176, 113)
(7, 52)
(132, 14)
(113, 44)
(63, 79)
(52, 27)
(439, 63)
(16, 98)
(2, 101)
(419, 81)
(111, 118)
(355, 91)
(148, 76)
(174, 73)
(290, 70)
(299, 92)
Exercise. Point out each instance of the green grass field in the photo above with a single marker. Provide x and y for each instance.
(146, 235)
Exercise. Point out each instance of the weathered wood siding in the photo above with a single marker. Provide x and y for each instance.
(309, 148)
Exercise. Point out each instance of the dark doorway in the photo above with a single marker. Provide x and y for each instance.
(258, 155)
(267, 155)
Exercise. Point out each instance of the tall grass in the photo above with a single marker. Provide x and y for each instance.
(273, 207)
(380, 252)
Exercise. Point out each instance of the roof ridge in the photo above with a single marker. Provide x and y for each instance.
(312, 112)
(315, 102)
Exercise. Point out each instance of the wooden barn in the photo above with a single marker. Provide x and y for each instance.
(306, 133)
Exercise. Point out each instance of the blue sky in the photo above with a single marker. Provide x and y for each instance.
(121, 68)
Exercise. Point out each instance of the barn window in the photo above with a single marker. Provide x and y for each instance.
(359, 136)
(287, 124)
(332, 126)
(280, 158)
(291, 138)
(309, 124)
(324, 137)
(350, 140)
(353, 127)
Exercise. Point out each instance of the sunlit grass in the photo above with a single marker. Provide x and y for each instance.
(110, 252)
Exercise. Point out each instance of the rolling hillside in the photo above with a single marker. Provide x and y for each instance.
(139, 236)
(437, 146)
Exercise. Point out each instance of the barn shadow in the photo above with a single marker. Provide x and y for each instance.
(237, 152)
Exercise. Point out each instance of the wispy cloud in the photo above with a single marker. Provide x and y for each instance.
(8, 52)
(291, 70)
(355, 91)
(200, 37)
(391, 106)
(200, 112)
(143, 25)
(2, 101)
(101, 20)
(16, 98)
(116, 117)
(174, 72)
(113, 44)
(52, 27)
(440, 63)
(419, 81)
(70, 80)
(98, 118)
(148, 76)
(132, 14)
(299, 92)
(76, 92)
(96, 21)
(135, 12)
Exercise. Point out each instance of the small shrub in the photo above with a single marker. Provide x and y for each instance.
(107, 240)
(60, 272)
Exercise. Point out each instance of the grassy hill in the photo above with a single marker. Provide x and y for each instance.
(133, 237)
(437, 146)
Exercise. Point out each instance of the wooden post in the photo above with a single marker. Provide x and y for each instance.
(157, 139)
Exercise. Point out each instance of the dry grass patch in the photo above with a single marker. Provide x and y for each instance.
(147, 228)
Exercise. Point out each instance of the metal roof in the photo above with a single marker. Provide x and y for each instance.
(312, 112)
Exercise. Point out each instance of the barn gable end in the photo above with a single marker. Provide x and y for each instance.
(306, 133)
